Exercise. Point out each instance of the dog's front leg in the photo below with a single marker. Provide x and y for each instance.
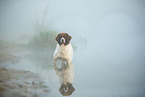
(54, 64)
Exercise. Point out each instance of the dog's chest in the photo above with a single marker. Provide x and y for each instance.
(64, 50)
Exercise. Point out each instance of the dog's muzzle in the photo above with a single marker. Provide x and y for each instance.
(62, 40)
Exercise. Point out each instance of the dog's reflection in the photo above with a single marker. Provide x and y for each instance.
(67, 89)
(66, 75)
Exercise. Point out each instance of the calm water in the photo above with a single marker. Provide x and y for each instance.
(107, 69)
(96, 74)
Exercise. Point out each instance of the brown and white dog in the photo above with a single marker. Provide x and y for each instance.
(64, 51)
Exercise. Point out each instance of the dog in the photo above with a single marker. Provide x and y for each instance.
(64, 48)
(64, 52)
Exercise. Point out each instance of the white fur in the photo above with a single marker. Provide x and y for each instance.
(65, 75)
(64, 52)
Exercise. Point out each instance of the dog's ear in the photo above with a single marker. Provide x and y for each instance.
(71, 88)
(68, 38)
(58, 38)
(61, 90)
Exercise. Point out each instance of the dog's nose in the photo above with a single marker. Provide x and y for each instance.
(62, 40)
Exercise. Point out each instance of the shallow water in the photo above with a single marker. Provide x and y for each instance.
(96, 74)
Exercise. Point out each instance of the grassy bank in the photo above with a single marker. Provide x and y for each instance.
(44, 40)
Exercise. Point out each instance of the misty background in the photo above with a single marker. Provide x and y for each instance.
(109, 36)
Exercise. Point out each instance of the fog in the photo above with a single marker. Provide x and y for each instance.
(109, 36)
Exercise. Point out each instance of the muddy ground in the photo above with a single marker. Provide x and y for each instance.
(15, 82)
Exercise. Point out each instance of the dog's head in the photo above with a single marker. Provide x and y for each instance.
(67, 89)
(63, 38)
